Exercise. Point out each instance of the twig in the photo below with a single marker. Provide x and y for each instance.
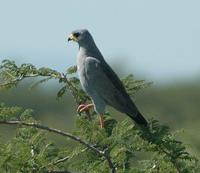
(74, 92)
(69, 135)
(162, 150)
(58, 172)
(61, 160)
(72, 89)
(18, 79)
(56, 162)
(60, 76)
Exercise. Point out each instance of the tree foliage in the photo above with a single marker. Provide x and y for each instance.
(120, 147)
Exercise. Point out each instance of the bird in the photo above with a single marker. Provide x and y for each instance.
(100, 82)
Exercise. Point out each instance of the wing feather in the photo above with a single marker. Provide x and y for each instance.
(106, 82)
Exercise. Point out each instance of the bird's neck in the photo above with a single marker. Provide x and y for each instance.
(90, 50)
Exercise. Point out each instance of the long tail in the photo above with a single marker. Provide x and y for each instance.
(139, 119)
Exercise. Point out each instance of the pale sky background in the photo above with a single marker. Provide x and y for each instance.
(157, 39)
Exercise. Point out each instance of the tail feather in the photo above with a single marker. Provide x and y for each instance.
(139, 119)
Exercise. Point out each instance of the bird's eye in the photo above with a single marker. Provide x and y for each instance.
(76, 34)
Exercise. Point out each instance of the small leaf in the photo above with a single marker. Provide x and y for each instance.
(74, 80)
(40, 82)
(72, 69)
(61, 92)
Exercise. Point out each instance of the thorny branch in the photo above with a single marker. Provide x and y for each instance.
(61, 160)
(60, 76)
(17, 80)
(63, 78)
(73, 92)
(69, 135)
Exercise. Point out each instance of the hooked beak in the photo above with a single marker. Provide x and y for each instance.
(72, 37)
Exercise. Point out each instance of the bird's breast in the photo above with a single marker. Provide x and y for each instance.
(82, 75)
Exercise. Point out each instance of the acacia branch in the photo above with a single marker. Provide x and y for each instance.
(59, 76)
(58, 172)
(73, 90)
(18, 79)
(69, 135)
(62, 159)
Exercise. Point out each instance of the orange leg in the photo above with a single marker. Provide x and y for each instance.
(84, 107)
(101, 120)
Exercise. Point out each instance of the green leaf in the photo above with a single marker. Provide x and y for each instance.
(72, 69)
(62, 91)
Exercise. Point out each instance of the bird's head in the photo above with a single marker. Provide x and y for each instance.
(80, 36)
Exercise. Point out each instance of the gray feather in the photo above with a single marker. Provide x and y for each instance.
(101, 82)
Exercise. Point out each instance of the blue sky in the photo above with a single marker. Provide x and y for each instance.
(157, 39)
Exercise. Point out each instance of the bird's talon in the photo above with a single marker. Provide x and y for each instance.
(84, 107)
(80, 107)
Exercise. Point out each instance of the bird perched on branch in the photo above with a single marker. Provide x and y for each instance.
(100, 82)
